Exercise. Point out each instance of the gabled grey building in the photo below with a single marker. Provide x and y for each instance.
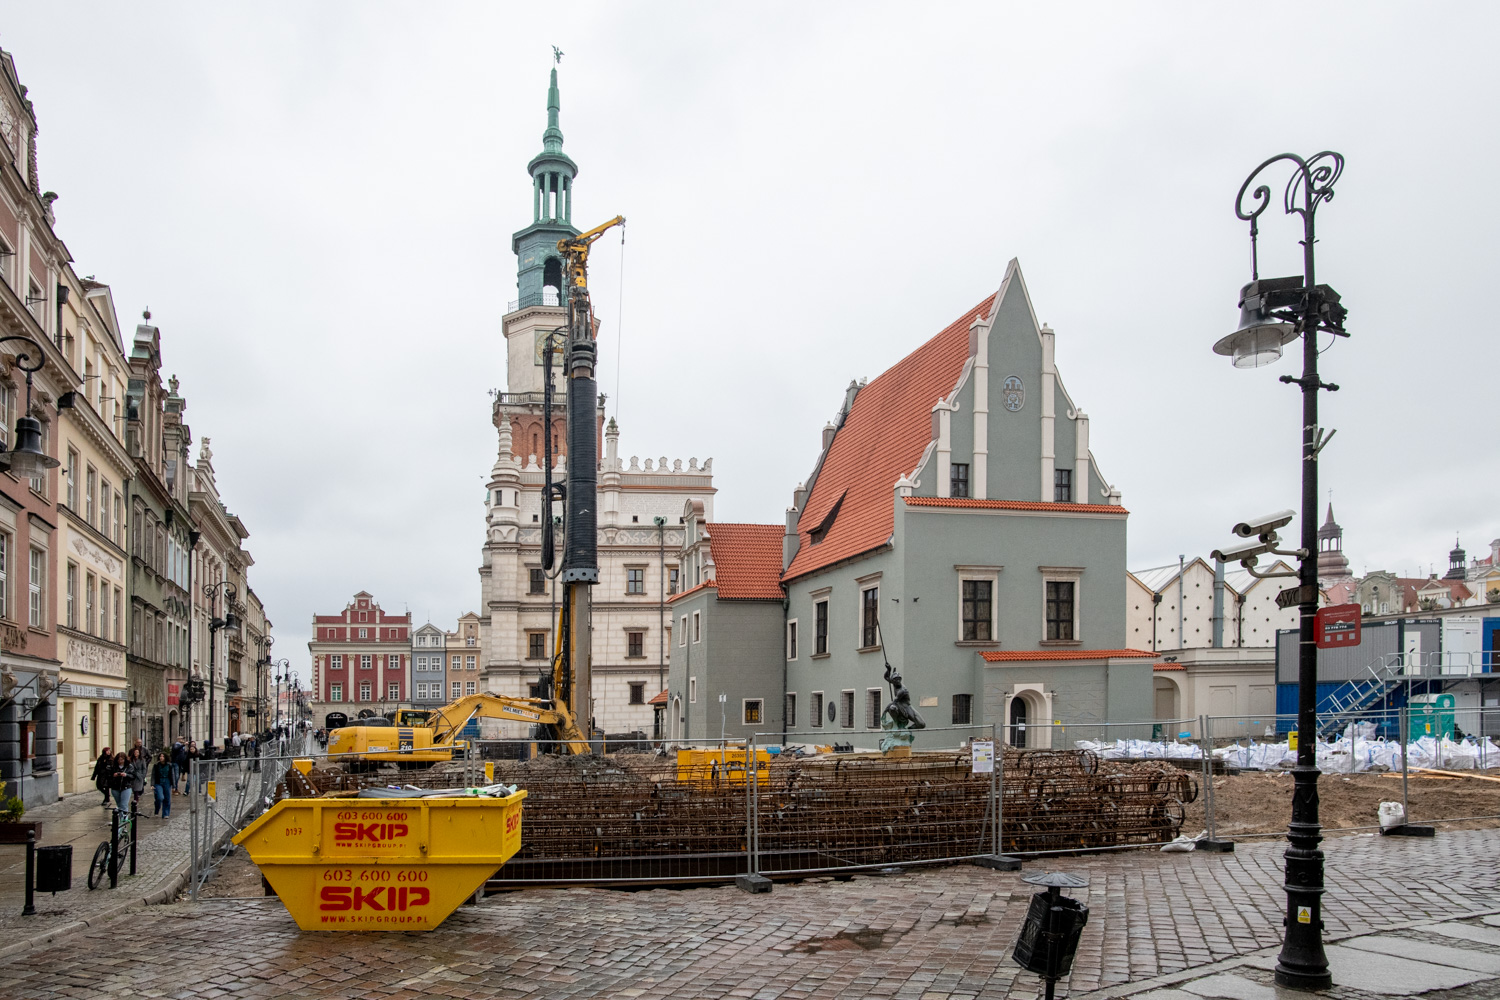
(427, 672)
(957, 523)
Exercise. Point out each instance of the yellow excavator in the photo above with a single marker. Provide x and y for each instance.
(383, 741)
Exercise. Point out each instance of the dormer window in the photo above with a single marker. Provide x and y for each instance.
(821, 531)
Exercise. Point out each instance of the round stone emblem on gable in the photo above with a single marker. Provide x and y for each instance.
(1013, 393)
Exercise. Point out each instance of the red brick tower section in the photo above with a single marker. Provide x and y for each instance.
(361, 659)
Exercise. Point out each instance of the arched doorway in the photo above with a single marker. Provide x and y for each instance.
(1018, 717)
(677, 718)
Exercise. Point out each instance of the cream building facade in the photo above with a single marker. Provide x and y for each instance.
(465, 656)
(92, 564)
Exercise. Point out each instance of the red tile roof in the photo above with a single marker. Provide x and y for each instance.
(1167, 666)
(691, 590)
(882, 439)
(1054, 508)
(660, 699)
(747, 560)
(1009, 655)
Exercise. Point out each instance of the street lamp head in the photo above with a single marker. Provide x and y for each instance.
(231, 620)
(27, 460)
(1262, 330)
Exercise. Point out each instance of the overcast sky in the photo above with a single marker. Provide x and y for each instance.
(316, 202)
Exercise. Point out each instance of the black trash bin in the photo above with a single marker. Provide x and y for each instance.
(1034, 952)
(54, 868)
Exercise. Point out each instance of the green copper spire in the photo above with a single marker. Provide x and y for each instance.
(552, 139)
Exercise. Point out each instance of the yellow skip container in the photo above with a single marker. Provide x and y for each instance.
(381, 864)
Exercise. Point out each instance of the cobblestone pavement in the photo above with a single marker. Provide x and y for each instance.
(925, 935)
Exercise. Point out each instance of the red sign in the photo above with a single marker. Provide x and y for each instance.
(172, 692)
(1336, 626)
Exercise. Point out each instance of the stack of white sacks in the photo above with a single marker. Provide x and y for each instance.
(1367, 753)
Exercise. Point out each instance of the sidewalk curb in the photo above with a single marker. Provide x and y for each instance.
(165, 891)
(1123, 991)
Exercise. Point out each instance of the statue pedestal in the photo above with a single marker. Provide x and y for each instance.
(899, 751)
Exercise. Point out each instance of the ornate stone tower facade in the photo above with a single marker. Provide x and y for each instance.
(640, 505)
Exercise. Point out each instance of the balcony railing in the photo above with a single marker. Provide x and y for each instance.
(546, 297)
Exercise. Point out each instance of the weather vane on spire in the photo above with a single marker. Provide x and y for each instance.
(557, 55)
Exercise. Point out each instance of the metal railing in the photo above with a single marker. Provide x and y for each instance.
(225, 793)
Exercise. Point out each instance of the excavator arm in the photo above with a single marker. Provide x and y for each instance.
(449, 720)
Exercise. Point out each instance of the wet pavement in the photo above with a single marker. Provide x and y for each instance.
(1168, 926)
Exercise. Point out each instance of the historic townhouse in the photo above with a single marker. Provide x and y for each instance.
(465, 656)
(218, 561)
(93, 573)
(361, 659)
(640, 502)
(429, 687)
(161, 540)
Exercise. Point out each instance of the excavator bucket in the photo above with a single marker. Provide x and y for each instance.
(353, 864)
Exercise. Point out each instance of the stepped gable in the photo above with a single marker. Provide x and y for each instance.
(881, 439)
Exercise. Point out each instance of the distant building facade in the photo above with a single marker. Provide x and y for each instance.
(465, 657)
(361, 659)
(428, 673)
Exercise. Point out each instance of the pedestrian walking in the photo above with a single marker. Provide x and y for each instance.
(140, 772)
(179, 763)
(102, 767)
(189, 755)
(121, 782)
(161, 783)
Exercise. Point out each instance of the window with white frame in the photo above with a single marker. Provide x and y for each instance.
(791, 710)
(791, 639)
(682, 638)
(635, 580)
(1060, 604)
(89, 617)
(846, 709)
(70, 601)
(119, 613)
(697, 626)
(752, 710)
(815, 710)
(470, 687)
(364, 662)
(820, 628)
(455, 663)
(70, 480)
(692, 690)
(364, 633)
(421, 690)
(873, 707)
(455, 690)
(364, 690)
(869, 617)
(536, 645)
(36, 609)
(335, 692)
(393, 691)
(7, 405)
(336, 661)
(635, 644)
(90, 495)
(976, 603)
(393, 663)
(5, 546)
(470, 663)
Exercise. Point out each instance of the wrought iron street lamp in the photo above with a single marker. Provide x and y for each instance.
(229, 621)
(279, 668)
(1274, 312)
(27, 460)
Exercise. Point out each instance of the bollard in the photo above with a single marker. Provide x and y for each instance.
(29, 910)
(135, 815)
(1406, 829)
(114, 848)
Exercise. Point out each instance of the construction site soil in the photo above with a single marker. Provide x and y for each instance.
(1261, 801)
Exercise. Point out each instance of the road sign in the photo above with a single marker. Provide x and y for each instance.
(1293, 596)
(1336, 626)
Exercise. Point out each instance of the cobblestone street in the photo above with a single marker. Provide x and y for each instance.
(924, 935)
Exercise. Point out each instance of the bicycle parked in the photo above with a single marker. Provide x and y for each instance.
(112, 855)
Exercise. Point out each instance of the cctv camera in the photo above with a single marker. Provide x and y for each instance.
(1264, 525)
(1243, 553)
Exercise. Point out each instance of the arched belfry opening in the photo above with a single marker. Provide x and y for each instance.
(552, 281)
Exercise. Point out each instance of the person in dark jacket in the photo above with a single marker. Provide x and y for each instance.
(189, 755)
(179, 763)
(121, 782)
(140, 771)
(161, 785)
(102, 768)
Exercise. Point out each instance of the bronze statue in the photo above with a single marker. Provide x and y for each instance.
(900, 719)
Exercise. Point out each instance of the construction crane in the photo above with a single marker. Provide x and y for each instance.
(414, 740)
(571, 683)
(563, 715)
